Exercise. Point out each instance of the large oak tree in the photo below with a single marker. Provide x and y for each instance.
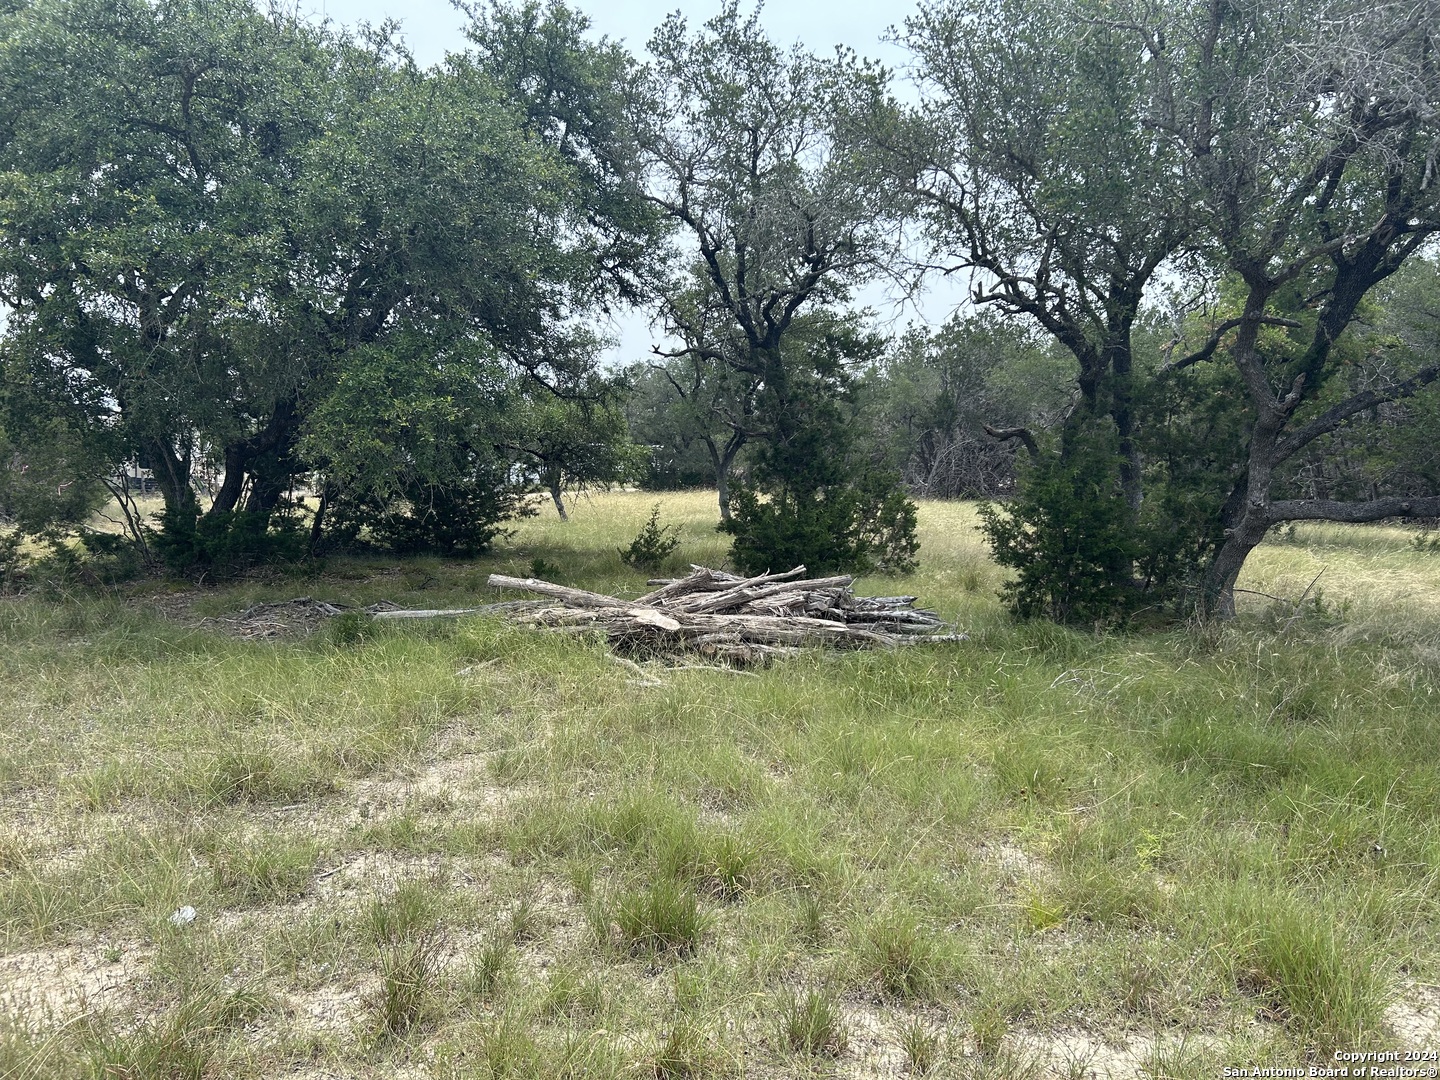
(218, 217)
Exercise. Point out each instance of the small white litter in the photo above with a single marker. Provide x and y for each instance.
(183, 916)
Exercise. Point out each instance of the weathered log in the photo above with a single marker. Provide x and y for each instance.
(574, 597)
(509, 606)
(727, 616)
(899, 615)
(702, 579)
(731, 592)
(757, 589)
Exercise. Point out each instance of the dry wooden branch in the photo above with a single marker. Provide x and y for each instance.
(508, 607)
(573, 597)
(744, 620)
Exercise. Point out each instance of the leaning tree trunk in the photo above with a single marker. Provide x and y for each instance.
(722, 460)
(1251, 517)
(1218, 587)
(552, 479)
(227, 497)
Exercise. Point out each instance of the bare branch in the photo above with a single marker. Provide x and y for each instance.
(1333, 418)
(1208, 349)
(1023, 434)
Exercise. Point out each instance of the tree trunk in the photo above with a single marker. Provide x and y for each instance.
(317, 526)
(1251, 516)
(228, 495)
(1122, 409)
(266, 491)
(1217, 599)
(265, 459)
(552, 485)
(172, 475)
(721, 460)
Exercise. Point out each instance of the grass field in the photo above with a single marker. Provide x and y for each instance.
(463, 850)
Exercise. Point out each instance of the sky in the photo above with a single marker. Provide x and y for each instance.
(432, 27)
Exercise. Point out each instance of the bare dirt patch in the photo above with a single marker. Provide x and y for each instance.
(1018, 866)
(870, 1041)
(463, 779)
(1415, 1018)
(331, 1010)
(44, 985)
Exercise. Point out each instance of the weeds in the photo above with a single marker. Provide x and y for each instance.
(179, 1043)
(921, 1046)
(524, 919)
(255, 872)
(411, 911)
(898, 958)
(664, 919)
(408, 995)
(1328, 988)
(349, 629)
(1029, 831)
(489, 967)
(570, 992)
(254, 776)
(405, 929)
(810, 1024)
(684, 1053)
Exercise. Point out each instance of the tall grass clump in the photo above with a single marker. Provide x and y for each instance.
(895, 956)
(663, 920)
(181, 1043)
(810, 1023)
(406, 932)
(1326, 984)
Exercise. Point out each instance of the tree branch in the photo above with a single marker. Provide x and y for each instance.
(1023, 434)
(1208, 349)
(1332, 418)
(1397, 506)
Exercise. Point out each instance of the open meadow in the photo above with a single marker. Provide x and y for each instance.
(462, 849)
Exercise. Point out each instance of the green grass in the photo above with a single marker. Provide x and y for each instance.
(810, 1024)
(467, 850)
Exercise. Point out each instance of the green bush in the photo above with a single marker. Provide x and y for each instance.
(460, 517)
(1068, 534)
(12, 562)
(652, 545)
(222, 544)
(869, 526)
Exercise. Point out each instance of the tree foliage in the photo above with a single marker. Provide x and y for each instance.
(223, 222)
(1272, 158)
(742, 147)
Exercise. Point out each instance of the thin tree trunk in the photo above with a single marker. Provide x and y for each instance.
(317, 526)
(722, 489)
(1122, 402)
(721, 460)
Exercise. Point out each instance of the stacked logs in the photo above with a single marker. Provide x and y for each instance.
(744, 620)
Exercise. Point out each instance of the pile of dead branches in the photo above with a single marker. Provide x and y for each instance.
(743, 620)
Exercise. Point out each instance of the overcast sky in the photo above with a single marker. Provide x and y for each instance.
(432, 27)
